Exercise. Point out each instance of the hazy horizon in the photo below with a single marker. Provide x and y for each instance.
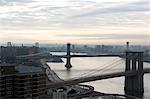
(75, 21)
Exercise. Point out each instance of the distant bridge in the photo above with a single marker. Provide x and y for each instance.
(102, 55)
(43, 54)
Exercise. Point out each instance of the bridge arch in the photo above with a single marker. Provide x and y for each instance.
(134, 84)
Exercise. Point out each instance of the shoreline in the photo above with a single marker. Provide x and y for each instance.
(53, 77)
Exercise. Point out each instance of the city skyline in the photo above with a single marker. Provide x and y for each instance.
(75, 21)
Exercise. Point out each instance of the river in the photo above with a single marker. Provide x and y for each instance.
(99, 65)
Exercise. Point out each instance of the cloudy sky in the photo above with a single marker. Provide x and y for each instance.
(75, 21)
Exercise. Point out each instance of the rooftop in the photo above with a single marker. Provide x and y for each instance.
(27, 69)
(7, 64)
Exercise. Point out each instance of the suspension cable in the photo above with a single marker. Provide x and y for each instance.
(104, 69)
(102, 66)
(97, 69)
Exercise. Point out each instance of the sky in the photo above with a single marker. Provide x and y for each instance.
(75, 21)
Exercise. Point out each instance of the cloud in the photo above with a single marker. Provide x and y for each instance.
(107, 36)
(13, 2)
(16, 1)
(75, 16)
(140, 6)
(54, 13)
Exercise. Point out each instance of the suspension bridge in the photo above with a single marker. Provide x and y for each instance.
(133, 72)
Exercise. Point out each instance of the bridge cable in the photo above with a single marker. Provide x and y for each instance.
(98, 70)
(101, 67)
(105, 69)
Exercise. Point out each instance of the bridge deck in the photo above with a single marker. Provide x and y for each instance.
(94, 78)
(102, 55)
(64, 56)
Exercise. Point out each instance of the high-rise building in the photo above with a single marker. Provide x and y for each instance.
(22, 82)
(8, 54)
(37, 44)
(9, 44)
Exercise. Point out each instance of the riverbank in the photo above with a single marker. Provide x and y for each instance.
(67, 91)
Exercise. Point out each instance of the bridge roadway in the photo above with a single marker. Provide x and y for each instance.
(101, 55)
(94, 78)
(48, 55)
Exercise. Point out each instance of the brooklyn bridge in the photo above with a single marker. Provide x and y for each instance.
(133, 72)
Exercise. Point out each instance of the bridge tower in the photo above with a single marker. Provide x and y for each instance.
(127, 46)
(134, 84)
(68, 61)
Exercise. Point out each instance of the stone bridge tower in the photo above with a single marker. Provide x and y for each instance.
(134, 84)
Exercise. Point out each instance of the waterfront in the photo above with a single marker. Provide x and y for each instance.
(86, 66)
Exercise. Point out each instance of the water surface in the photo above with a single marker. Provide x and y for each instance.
(99, 65)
